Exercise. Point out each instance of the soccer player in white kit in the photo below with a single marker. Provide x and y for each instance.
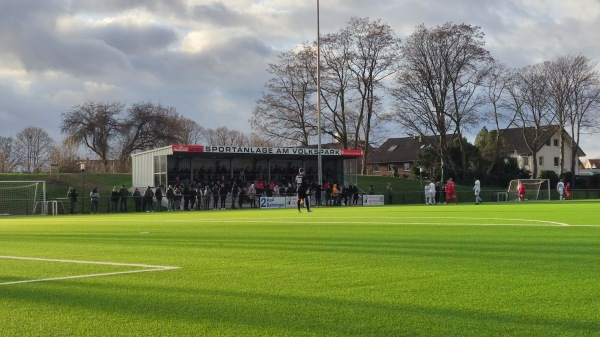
(430, 193)
(477, 189)
(560, 187)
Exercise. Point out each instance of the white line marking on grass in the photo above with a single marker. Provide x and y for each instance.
(522, 222)
(150, 268)
(375, 220)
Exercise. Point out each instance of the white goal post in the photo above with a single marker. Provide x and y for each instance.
(23, 197)
(535, 189)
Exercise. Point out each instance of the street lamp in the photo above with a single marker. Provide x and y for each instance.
(319, 158)
(82, 168)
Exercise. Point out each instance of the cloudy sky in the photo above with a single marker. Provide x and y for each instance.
(208, 58)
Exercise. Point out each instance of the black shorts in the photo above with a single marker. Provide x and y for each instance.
(301, 193)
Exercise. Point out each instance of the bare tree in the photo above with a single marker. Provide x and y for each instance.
(9, 156)
(583, 104)
(338, 96)
(573, 95)
(529, 97)
(255, 139)
(374, 56)
(146, 126)
(467, 64)
(66, 156)
(188, 131)
(35, 147)
(224, 136)
(94, 125)
(436, 91)
(498, 110)
(286, 110)
(560, 87)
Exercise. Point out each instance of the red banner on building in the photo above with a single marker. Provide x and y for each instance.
(188, 148)
(354, 153)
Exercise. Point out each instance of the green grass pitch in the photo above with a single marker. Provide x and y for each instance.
(530, 269)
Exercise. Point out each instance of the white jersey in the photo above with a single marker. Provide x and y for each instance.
(432, 189)
(560, 186)
(477, 187)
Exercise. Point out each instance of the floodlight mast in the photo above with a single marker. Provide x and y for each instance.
(319, 159)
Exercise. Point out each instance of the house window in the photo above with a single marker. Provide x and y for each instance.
(548, 142)
(555, 161)
(541, 161)
(375, 168)
(392, 148)
(406, 167)
(555, 142)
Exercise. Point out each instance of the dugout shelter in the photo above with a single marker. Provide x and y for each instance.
(184, 164)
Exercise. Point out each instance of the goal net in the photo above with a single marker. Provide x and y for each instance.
(535, 189)
(23, 197)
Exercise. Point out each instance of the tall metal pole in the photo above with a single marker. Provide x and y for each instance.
(319, 159)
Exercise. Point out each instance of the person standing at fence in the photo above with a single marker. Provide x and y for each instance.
(95, 198)
(137, 200)
(206, 197)
(318, 194)
(123, 194)
(560, 187)
(390, 193)
(114, 199)
(177, 195)
(170, 194)
(223, 195)
(252, 196)
(148, 200)
(72, 196)
(159, 197)
(215, 194)
(335, 195)
(477, 190)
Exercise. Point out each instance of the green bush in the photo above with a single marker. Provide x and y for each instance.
(551, 175)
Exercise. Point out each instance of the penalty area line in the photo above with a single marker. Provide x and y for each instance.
(150, 268)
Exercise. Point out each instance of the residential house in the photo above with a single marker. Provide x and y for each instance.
(592, 164)
(519, 140)
(590, 167)
(401, 153)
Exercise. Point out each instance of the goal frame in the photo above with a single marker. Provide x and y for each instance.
(34, 205)
(543, 189)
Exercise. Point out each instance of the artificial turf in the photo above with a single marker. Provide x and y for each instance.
(510, 269)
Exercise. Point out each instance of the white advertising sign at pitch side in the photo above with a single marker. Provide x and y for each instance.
(373, 200)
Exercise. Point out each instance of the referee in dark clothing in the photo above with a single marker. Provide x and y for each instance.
(302, 188)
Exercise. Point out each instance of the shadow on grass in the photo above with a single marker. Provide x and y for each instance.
(265, 312)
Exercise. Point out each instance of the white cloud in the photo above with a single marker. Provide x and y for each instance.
(208, 58)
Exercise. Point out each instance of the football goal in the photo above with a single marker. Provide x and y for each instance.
(22, 197)
(535, 189)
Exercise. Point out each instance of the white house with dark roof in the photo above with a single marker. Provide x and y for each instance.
(519, 143)
(403, 152)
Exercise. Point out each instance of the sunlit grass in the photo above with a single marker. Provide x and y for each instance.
(486, 270)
